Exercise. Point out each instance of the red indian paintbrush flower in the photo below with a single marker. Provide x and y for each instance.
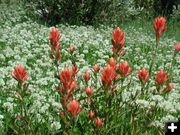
(65, 75)
(74, 108)
(67, 91)
(161, 77)
(143, 75)
(19, 73)
(124, 69)
(118, 38)
(159, 26)
(54, 36)
(75, 70)
(54, 41)
(72, 87)
(56, 52)
(112, 63)
(177, 47)
(66, 78)
(91, 114)
(108, 75)
(87, 76)
(89, 91)
(98, 122)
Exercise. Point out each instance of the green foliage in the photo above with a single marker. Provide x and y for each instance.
(78, 11)
(147, 7)
(176, 14)
(55, 11)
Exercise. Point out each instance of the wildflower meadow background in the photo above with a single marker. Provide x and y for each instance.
(118, 78)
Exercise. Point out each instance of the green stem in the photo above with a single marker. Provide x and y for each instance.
(153, 59)
(170, 71)
(154, 56)
(142, 88)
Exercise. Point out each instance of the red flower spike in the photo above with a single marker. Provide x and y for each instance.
(58, 54)
(66, 78)
(118, 38)
(71, 89)
(112, 63)
(89, 91)
(87, 76)
(73, 86)
(143, 75)
(54, 36)
(98, 122)
(161, 77)
(74, 108)
(124, 69)
(108, 75)
(65, 75)
(159, 26)
(19, 73)
(177, 47)
(91, 114)
(96, 68)
(74, 70)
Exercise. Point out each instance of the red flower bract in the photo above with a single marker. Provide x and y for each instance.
(66, 78)
(161, 77)
(89, 91)
(87, 76)
(112, 63)
(168, 88)
(54, 35)
(65, 75)
(98, 122)
(54, 43)
(108, 75)
(177, 47)
(74, 70)
(143, 75)
(118, 38)
(159, 26)
(72, 87)
(74, 108)
(19, 73)
(91, 114)
(124, 68)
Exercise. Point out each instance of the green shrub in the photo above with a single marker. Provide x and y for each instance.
(78, 11)
(176, 14)
(147, 7)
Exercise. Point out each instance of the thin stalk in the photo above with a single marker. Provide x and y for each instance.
(154, 56)
(170, 71)
(153, 59)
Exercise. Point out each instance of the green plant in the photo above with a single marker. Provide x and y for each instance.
(176, 14)
(77, 11)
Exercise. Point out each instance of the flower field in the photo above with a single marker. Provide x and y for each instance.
(121, 79)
